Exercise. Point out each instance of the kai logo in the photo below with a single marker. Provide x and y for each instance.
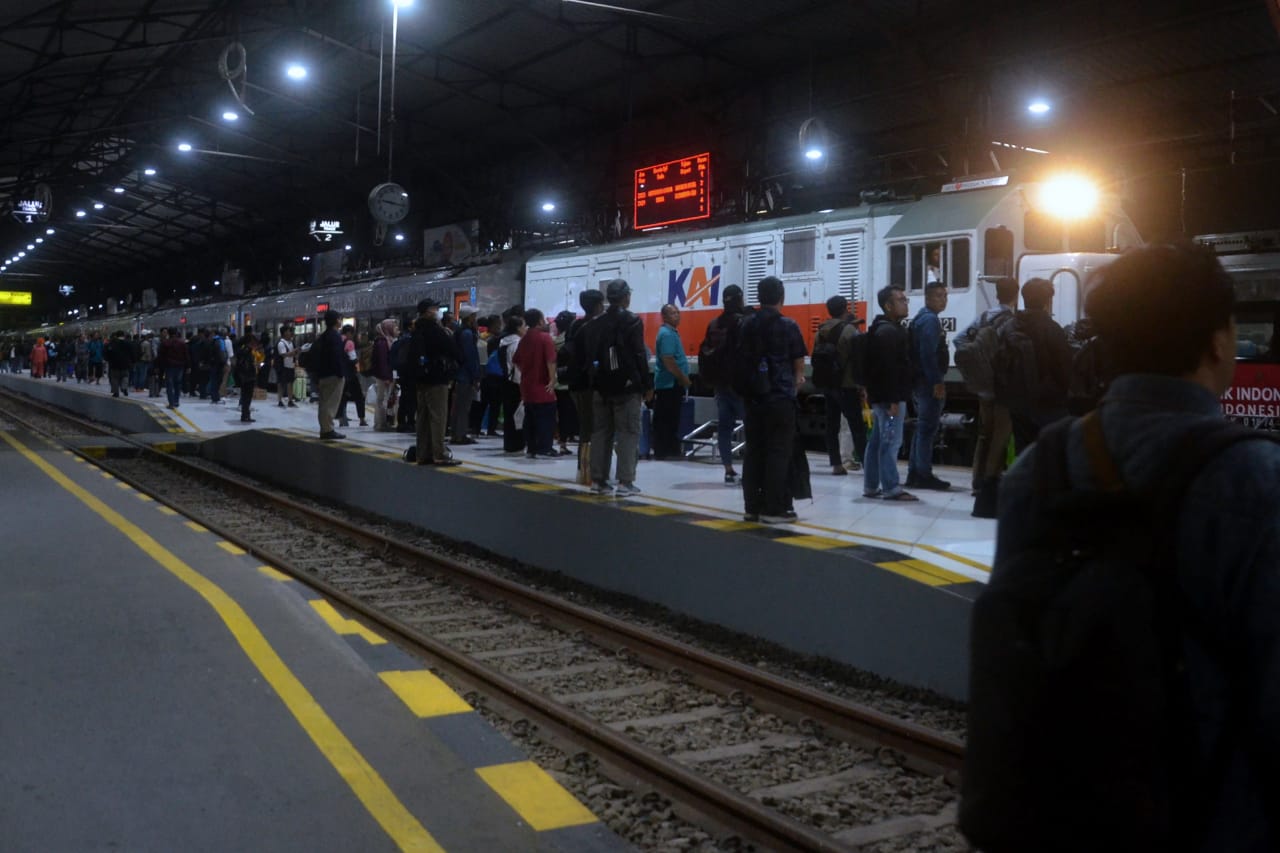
(702, 290)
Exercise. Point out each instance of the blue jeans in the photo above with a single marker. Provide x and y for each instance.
(880, 467)
(928, 414)
(173, 384)
(215, 383)
(729, 410)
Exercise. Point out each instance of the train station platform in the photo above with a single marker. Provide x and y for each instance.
(885, 587)
(165, 691)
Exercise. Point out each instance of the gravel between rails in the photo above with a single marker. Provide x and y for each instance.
(818, 780)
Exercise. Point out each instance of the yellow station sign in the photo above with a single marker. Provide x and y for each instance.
(14, 297)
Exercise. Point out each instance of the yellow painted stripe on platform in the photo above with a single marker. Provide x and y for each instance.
(726, 524)
(937, 571)
(165, 446)
(342, 625)
(231, 548)
(167, 510)
(539, 487)
(107, 475)
(491, 478)
(274, 573)
(175, 413)
(196, 526)
(95, 452)
(123, 485)
(535, 796)
(925, 573)
(816, 543)
(365, 782)
(424, 693)
(652, 510)
(145, 497)
(901, 568)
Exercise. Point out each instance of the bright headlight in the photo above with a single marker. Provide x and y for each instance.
(1068, 197)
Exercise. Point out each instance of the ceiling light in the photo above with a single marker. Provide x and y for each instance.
(813, 154)
(97, 205)
(22, 254)
(193, 287)
(306, 257)
(117, 190)
(31, 247)
(548, 206)
(216, 282)
(296, 72)
(399, 238)
(184, 146)
(148, 171)
(347, 247)
(39, 239)
(402, 4)
(48, 230)
(230, 115)
(1038, 106)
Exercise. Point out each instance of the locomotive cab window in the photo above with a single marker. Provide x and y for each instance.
(997, 255)
(917, 264)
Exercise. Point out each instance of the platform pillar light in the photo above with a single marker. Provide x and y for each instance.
(184, 147)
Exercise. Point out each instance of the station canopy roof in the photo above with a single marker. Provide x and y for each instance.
(497, 101)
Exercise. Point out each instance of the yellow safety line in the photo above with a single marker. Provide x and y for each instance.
(398, 822)
(177, 413)
(699, 507)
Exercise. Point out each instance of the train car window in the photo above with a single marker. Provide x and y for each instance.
(1087, 235)
(997, 253)
(959, 264)
(1042, 232)
(1256, 332)
(799, 249)
(915, 280)
(898, 266)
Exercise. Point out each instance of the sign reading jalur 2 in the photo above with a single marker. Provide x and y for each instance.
(324, 230)
(678, 191)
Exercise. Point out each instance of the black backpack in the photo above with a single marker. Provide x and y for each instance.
(825, 359)
(753, 370)
(975, 354)
(1015, 370)
(611, 370)
(715, 354)
(1080, 731)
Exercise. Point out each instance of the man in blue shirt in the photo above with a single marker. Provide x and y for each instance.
(929, 360)
(669, 384)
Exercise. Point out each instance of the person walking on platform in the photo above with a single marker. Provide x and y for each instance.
(173, 359)
(620, 380)
(383, 376)
(715, 366)
(888, 384)
(435, 358)
(670, 384)
(833, 373)
(119, 357)
(579, 380)
(286, 369)
(770, 354)
(1033, 365)
(1125, 682)
(467, 383)
(248, 351)
(39, 356)
(929, 359)
(95, 357)
(327, 364)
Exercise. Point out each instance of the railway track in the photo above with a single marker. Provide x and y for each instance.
(752, 756)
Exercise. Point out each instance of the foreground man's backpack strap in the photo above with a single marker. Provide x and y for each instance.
(1080, 733)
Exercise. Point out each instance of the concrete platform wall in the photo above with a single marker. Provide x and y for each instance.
(119, 413)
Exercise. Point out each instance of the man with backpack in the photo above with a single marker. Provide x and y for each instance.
(975, 353)
(834, 375)
(770, 370)
(620, 380)
(432, 364)
(1125, 680)
(888, 368)
(1032, 367)
(929, 359)
(578, 379)
(326, 362)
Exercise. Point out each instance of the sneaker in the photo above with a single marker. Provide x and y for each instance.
(934, 484)
(751, 517)
(731, 478)
(777, 519)
(853, 466)
(292, 404)
(331, 436)
(602, 488)
(463, 440)
(362, 423)
(281, 405)
(246, 420)
(628, 489)
(838, 471)
(344, 423)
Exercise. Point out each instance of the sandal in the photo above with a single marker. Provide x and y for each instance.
(903, 497)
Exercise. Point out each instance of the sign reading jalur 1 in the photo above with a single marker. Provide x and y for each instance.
(29, 210)
(324, 230)
(14, 297)
(678, 191)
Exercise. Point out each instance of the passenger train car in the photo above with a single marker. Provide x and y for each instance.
(970, 234)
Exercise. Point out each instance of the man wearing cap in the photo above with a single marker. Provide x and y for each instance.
(329, 370)
(469, 373)
(618, 363)
(435, 363)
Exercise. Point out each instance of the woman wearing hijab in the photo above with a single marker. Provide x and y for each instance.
(384, 380)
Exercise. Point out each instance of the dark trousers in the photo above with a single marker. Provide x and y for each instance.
(1027, 424)
(491, 401)
(846, 403)
(407, 413)
(666, 422)
(512, 438)
(173, 384)
(246, 398)
(771, 430)
(540, 427)
(352, 391)
(566, 416)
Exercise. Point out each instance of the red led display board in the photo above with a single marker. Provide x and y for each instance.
(678, 191)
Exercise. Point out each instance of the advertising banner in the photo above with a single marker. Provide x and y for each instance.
(450, 244)
(1254, 396)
